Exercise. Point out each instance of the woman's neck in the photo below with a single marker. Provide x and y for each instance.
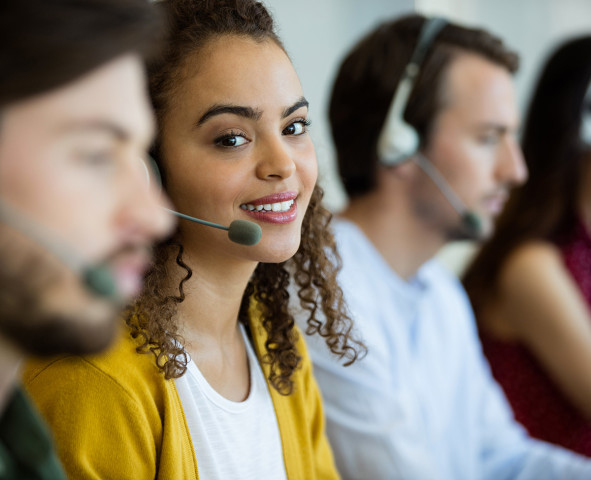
(212, 296)
(208, 318)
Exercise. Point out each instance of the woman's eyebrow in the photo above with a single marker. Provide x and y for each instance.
(302, 102)
(246, 112)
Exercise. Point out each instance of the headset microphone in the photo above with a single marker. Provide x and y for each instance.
(239, 231)
(470, 220)
(399, 141)
(98, 279)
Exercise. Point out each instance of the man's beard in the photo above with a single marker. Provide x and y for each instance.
(460, 233)
(468, 231)
(44, 307)
(38, 331)
(53, 334)
(451, 225)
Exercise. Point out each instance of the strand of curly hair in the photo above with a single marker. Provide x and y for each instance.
(314, 270)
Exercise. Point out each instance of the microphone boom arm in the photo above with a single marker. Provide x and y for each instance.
(425, 165)
(197, 220)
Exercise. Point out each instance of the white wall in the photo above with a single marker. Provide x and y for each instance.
(317, 34)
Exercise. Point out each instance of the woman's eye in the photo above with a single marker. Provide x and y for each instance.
(298, 127)
(231, 140)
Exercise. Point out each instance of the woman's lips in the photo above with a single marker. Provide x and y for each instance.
(277, 208)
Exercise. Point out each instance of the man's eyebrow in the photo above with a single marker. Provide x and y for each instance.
(246, 112)
(99, 126)
(497, 127)
(302, 102)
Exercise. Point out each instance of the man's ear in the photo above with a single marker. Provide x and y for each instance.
(403, 171)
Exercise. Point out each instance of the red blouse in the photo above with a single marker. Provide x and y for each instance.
(538, 405)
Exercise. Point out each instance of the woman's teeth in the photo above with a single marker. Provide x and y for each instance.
(268, 207)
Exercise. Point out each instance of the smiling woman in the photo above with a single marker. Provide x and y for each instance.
(211, 371)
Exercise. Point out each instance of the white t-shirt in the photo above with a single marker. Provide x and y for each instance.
(232, 439)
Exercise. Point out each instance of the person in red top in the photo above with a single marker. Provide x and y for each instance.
(530, 284)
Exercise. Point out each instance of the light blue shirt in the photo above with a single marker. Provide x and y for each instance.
(422, 404)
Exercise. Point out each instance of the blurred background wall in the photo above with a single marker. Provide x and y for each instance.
(317, 33)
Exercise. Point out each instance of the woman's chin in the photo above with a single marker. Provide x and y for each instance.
(277, 254)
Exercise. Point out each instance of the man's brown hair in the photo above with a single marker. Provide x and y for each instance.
(45, 44)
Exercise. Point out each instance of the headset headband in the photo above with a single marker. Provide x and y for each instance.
(428, 33)
(398, 140)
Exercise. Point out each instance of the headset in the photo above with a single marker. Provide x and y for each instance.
(97, 278)
(242, 232)
(399, 141)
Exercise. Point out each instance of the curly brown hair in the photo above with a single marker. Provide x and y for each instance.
(314, 267)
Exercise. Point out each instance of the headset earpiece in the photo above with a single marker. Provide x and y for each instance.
(398, 140)
(152, 171)
(585, 129)
(155, 170)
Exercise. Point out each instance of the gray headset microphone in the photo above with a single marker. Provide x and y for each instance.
(399, 141)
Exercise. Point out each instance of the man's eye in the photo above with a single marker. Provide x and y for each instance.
(96, 158)
(489, 139)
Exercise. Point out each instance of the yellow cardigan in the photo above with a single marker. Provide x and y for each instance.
(114, 416)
